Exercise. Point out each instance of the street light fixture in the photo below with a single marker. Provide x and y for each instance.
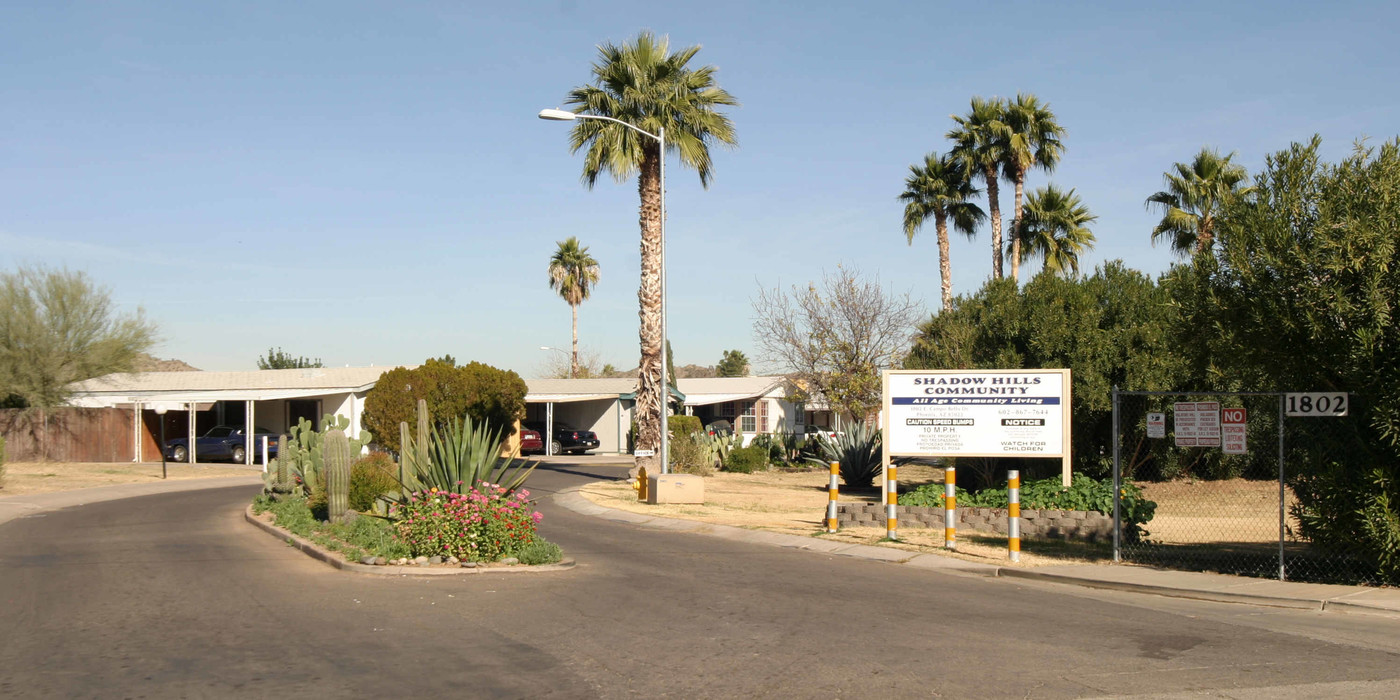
(560, 115)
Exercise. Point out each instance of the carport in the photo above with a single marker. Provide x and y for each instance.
(271, 399)
(600, 405)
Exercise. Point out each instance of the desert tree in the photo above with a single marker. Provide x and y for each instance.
(58, 327)
(835, 335)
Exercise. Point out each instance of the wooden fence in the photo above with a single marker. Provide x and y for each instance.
(71, 435)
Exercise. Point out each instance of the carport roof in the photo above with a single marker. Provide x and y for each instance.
(258, 385)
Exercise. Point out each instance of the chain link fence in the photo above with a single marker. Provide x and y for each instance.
(1223, 483)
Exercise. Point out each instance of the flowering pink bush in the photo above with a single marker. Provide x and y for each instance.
(484, 524)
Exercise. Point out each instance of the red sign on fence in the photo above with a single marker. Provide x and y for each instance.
(1232, 431)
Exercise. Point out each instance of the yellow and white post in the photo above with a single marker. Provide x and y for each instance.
(892, 503)
(1013, 514)
(950, 508)
(834, 493)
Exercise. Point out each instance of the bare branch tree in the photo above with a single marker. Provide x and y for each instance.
(835, 338)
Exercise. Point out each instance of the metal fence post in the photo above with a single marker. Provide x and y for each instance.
(1281, 574)
(1117, 485)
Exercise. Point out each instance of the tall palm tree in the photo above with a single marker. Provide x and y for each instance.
(1055, 228)
(979, 143)
(643, 84)
(1033, 142)
(572, 273)
(941, 188)
(1195, 195)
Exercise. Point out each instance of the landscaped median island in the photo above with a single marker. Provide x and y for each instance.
(452, 500)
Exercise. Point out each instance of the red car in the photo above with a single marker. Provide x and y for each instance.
(530, 441)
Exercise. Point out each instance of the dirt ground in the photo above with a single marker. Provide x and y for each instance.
(1235, 510)
(24, 478)
(795, 503)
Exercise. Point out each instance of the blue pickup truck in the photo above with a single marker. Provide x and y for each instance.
(222, 442)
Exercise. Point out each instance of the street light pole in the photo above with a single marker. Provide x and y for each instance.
(660, 136)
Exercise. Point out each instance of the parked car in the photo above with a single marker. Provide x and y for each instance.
(530, 441)
(566, 438)
(719, 428)
(820, 431)
(222, 442)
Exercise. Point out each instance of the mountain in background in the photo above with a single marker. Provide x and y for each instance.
(151, 363)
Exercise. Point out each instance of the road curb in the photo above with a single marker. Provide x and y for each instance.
(573, 500)
(317, 552)
(1169, 591)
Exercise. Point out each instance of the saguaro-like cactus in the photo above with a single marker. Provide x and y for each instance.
(283, 478)
(337, 463)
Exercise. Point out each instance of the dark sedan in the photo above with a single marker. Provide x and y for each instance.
(567, 439)
(221, 442)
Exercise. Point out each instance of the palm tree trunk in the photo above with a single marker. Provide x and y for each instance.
(945, 266)
(649, 379)
(994, 212)
(1020, 181)
(573, 362)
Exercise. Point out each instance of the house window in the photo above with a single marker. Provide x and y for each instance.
(754, 419)
(726, 409)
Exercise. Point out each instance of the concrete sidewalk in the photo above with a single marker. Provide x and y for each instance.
(1122, 577)
(12, 507)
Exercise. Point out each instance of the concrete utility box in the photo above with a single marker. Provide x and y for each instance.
(675, 488)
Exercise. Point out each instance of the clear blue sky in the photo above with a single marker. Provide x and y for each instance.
(368, 183)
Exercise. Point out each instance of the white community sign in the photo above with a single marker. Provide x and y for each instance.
(978, 413)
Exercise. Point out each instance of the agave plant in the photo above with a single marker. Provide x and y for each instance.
(858, 452)
(461, 454)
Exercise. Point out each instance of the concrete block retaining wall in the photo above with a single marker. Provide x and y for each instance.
(1083, 526)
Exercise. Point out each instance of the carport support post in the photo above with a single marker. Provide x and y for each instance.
(193, 407)
(549, 428)
(248, 432)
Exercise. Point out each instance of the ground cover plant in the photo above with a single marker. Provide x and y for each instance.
(1048, 494)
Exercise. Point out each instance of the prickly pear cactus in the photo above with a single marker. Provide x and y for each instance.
(337, 465)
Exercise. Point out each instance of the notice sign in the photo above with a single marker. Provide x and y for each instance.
(1197, 423)
(1156, 425)
(977, 413)
(1232, 431)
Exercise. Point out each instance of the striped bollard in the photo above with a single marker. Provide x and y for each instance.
(1013, 514)
(832, 489)
(950, 508)
(891, 503)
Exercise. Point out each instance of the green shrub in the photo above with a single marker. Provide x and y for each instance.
(688, 456)
(372, 476)
(487, 394)
(541, 551)
(373, 535)
(1356, 515)
(747, 460)
(1083, 494)
(683, 425)
(858, 452)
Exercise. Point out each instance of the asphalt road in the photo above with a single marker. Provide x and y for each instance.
(176, 596)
